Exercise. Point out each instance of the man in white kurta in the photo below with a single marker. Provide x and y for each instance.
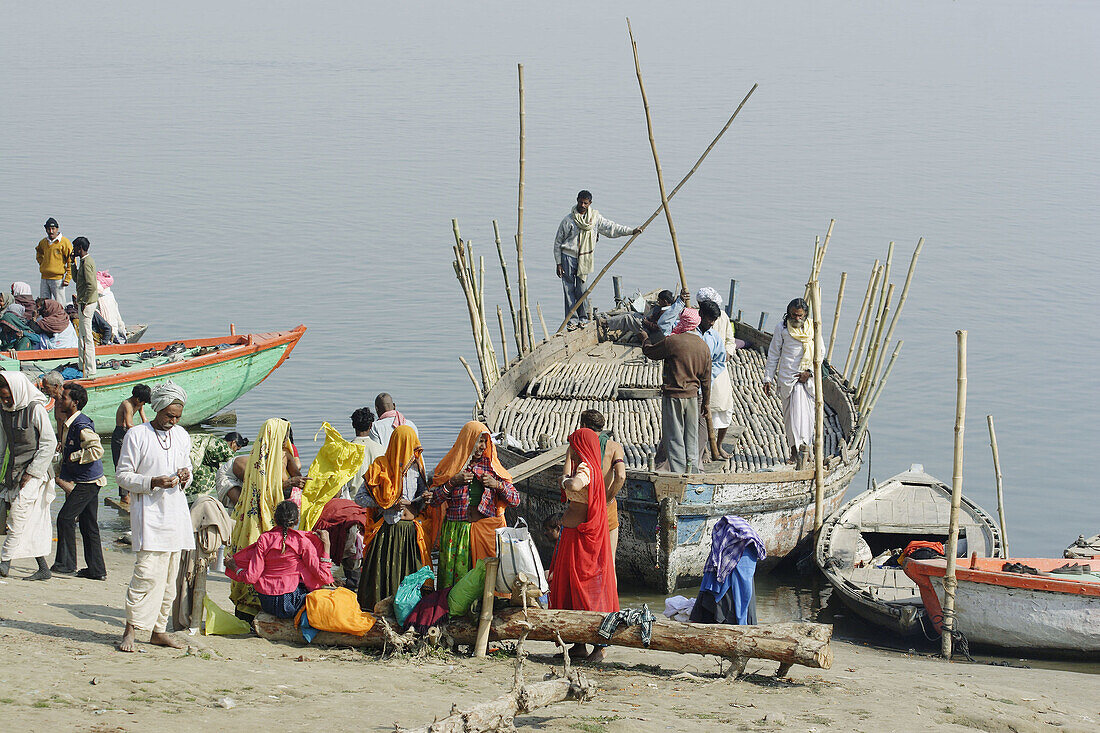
(721, 388)
(155, 467)
(27, 485)
(790, 363)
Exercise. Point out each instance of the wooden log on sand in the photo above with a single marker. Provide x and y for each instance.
(806, 644)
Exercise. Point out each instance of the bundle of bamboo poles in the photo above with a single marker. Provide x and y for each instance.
(472, 280)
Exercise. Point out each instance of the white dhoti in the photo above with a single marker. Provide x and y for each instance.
(152, 590)
(721, 401)
(30, 530)
(798, 412)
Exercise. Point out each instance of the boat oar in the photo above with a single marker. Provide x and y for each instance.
(949, 581)
(668, 215)
(655, 214)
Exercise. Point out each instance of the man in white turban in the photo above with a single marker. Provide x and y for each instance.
(155, 467)
(722, 326)
(26, 486)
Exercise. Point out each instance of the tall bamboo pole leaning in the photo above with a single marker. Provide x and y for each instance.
(950, 584)
(880, 345)
(820, 247)
(876, 337)
(503, 336)
(865, 414)
(900, 304)
(507, 289)
(545, 331)
(859, 321)
(819, 410)
(524, 306)
(595, 281)
(711, 436)
(1000, 491)
(836, 317)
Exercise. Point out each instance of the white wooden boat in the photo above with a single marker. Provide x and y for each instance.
(1084, 547)
(1044, 614)
(856, 540)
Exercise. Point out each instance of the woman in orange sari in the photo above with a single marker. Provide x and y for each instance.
(394, 544)
(477, 489)
(582, 575)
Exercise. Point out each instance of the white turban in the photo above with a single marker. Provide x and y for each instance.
(167, 394)
(709, 294)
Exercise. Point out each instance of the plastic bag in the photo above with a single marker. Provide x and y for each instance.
(518, 554)
(467, 590)
(408, 593)
(221, 623)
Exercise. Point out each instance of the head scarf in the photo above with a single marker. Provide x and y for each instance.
(384, 477)
(458, 457)
(20, 288)
(166, 394)
(7, 299)
(23, 391)
(689, 321)
(261, 492)
(104, 279)
(709, 294)
(52, 319)
(805, 335)
(398, 418)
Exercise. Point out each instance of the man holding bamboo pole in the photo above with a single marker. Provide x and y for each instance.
(790, 363)
(574, 249)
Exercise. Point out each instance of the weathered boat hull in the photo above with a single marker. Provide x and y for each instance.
(666, 519)
(212, 381)
(1046, 615)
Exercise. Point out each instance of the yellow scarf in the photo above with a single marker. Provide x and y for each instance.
(805, 334)
(335, 464)
(586, 241)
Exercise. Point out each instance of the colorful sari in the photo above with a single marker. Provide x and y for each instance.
(583, 571)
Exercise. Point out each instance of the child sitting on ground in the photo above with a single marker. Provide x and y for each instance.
(283, 565)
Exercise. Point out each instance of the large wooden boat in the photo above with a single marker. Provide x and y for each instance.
(855, 542)
(214, 371)
(1044, 613)
(665, 519)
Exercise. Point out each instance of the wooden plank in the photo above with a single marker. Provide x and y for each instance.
(534, 465)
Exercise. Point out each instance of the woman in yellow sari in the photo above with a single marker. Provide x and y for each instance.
(395, 544)
(273, 470)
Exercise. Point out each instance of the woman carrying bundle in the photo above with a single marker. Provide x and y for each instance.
(283, 565)
(271, 474)
(395, 544)
(477, 489)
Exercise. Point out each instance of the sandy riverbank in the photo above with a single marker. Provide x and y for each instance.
(60, 671)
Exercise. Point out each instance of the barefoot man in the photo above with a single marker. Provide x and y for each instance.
(155, 467)
(790, 363)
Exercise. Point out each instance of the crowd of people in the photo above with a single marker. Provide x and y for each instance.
(56, 319)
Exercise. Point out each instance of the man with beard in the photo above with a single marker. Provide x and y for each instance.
(790, 363)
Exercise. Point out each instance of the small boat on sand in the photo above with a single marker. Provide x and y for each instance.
(1039, 611)
(856, 546)
(214, 371)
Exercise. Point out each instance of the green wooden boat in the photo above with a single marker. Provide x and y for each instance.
(214, 371)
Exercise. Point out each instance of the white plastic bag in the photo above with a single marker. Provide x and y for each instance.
(517, 553)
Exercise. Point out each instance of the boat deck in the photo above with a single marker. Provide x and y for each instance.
(620, 382)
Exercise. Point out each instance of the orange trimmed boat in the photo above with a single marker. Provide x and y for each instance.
(214, 371)
(1045, 613)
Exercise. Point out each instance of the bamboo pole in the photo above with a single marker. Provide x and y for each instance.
(864, 309)
(507, 289)
(657, 212)
(820, 247)
(477, 387)
(865, 415)
(503, 336)
(545, 331)
(712, 439)
(901, 302)
(485, 620)
(876, 344)
(524, 309)
(949, 582)
(657, 162)
(1000, 492)
(836, 317)
(861, 356)
(819, 410)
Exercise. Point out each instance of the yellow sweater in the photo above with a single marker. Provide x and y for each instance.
(54, 259)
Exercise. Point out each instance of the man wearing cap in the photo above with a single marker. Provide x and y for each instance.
(155, 467)
(54, 253)
(87, 298)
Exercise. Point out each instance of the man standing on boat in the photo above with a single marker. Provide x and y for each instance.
(790, 363)
(721, 388)
(87, 298)
(54, 254)
(574, 247)
(155, 467)
(685, 375)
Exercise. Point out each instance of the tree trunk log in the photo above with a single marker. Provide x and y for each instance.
(788, 643)
(498, 714)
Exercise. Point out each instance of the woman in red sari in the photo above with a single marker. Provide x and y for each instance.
(582, 575)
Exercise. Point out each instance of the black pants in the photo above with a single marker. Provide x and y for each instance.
(81, 506)
(116, 450)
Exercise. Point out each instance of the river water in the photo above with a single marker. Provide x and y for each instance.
(269, 165)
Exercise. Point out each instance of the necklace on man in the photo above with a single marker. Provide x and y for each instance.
(165, 444)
